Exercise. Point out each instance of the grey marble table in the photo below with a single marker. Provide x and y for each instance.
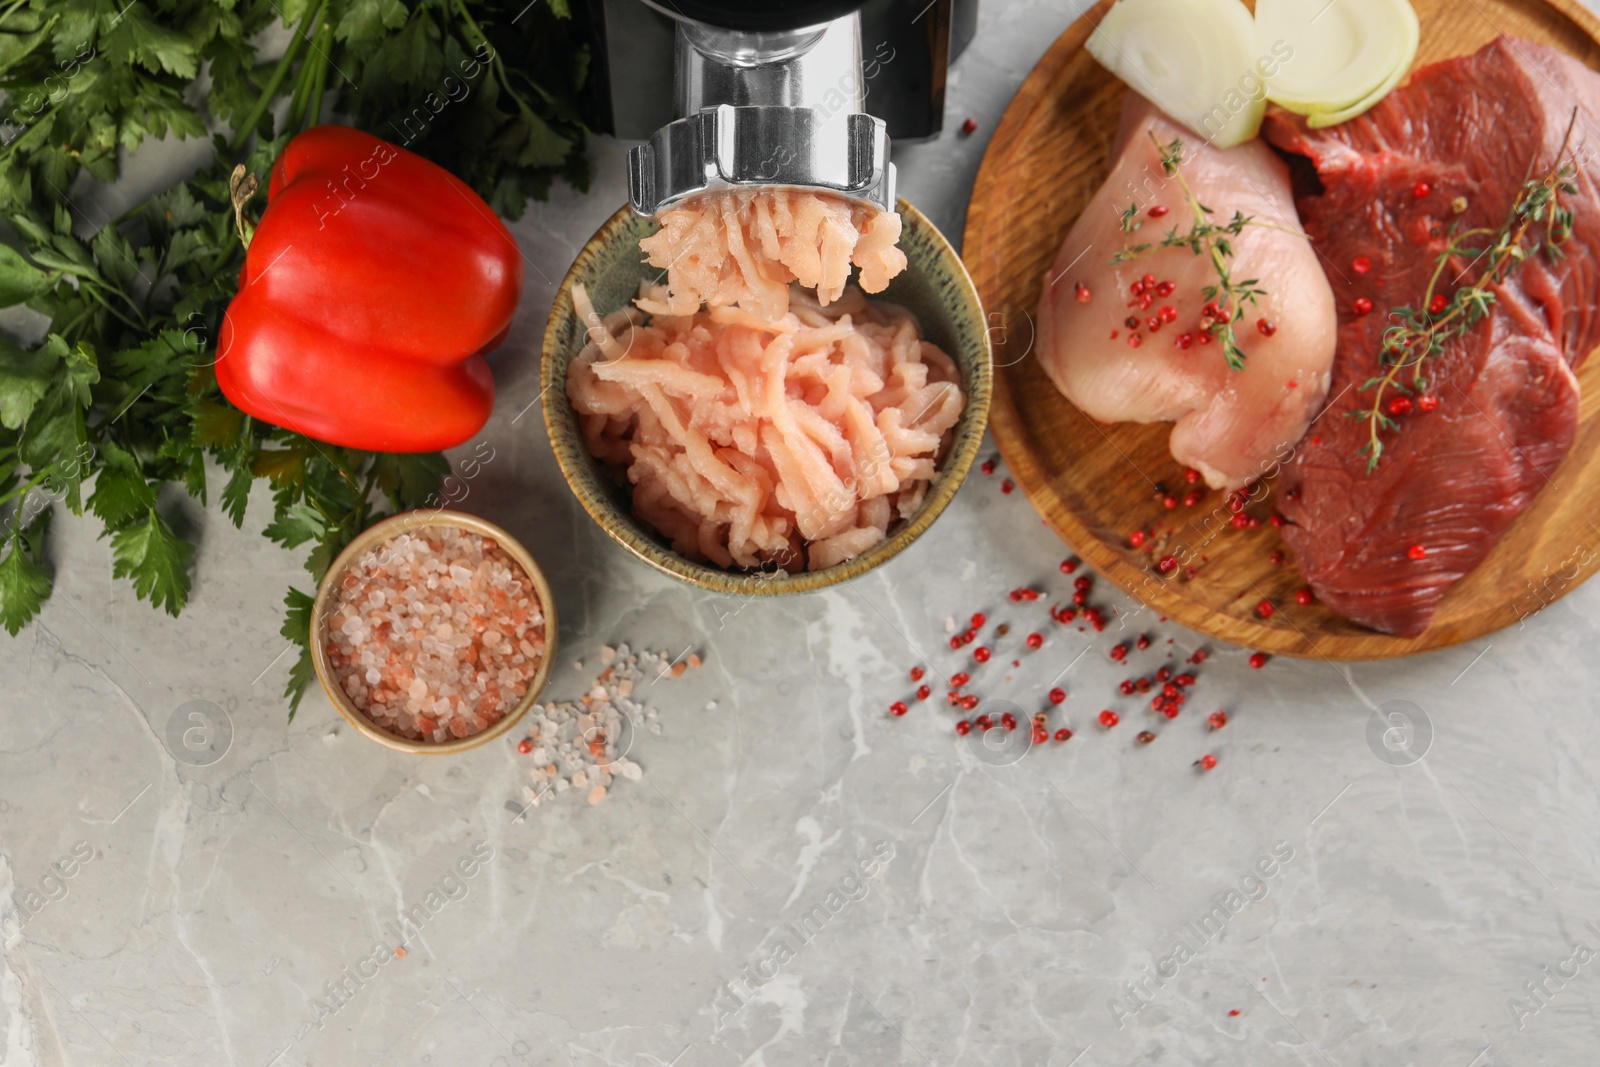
(798, 878)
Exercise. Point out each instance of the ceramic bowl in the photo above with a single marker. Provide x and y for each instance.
(393, 526)
(934, 287)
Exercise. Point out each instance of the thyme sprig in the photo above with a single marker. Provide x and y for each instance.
(1205, 237)
(1415, 336)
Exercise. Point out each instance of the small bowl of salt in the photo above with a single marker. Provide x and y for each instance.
(433, 632)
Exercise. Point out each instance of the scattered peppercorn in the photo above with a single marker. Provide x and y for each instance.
(1109, 719)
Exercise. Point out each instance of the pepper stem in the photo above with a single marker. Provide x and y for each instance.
(242, 185)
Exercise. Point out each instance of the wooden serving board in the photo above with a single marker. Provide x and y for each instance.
(1093, 482)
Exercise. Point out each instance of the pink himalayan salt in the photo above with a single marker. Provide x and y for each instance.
(435, 635)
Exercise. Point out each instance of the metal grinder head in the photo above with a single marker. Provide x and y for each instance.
(769, 94)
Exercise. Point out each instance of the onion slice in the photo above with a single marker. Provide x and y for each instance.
(1194, 59)
(1345, 55)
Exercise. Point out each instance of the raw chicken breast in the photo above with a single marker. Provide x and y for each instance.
(1232, 426)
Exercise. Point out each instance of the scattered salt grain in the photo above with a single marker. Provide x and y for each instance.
(582, 744)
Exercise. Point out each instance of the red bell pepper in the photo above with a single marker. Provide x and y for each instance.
(373, 285)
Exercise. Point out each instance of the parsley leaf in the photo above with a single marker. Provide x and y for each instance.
(19, 279)
(23, 587)
(121, 493)
(136, 37)
(236, 494)
(297, 628)
(24, 379)
(155, 559)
